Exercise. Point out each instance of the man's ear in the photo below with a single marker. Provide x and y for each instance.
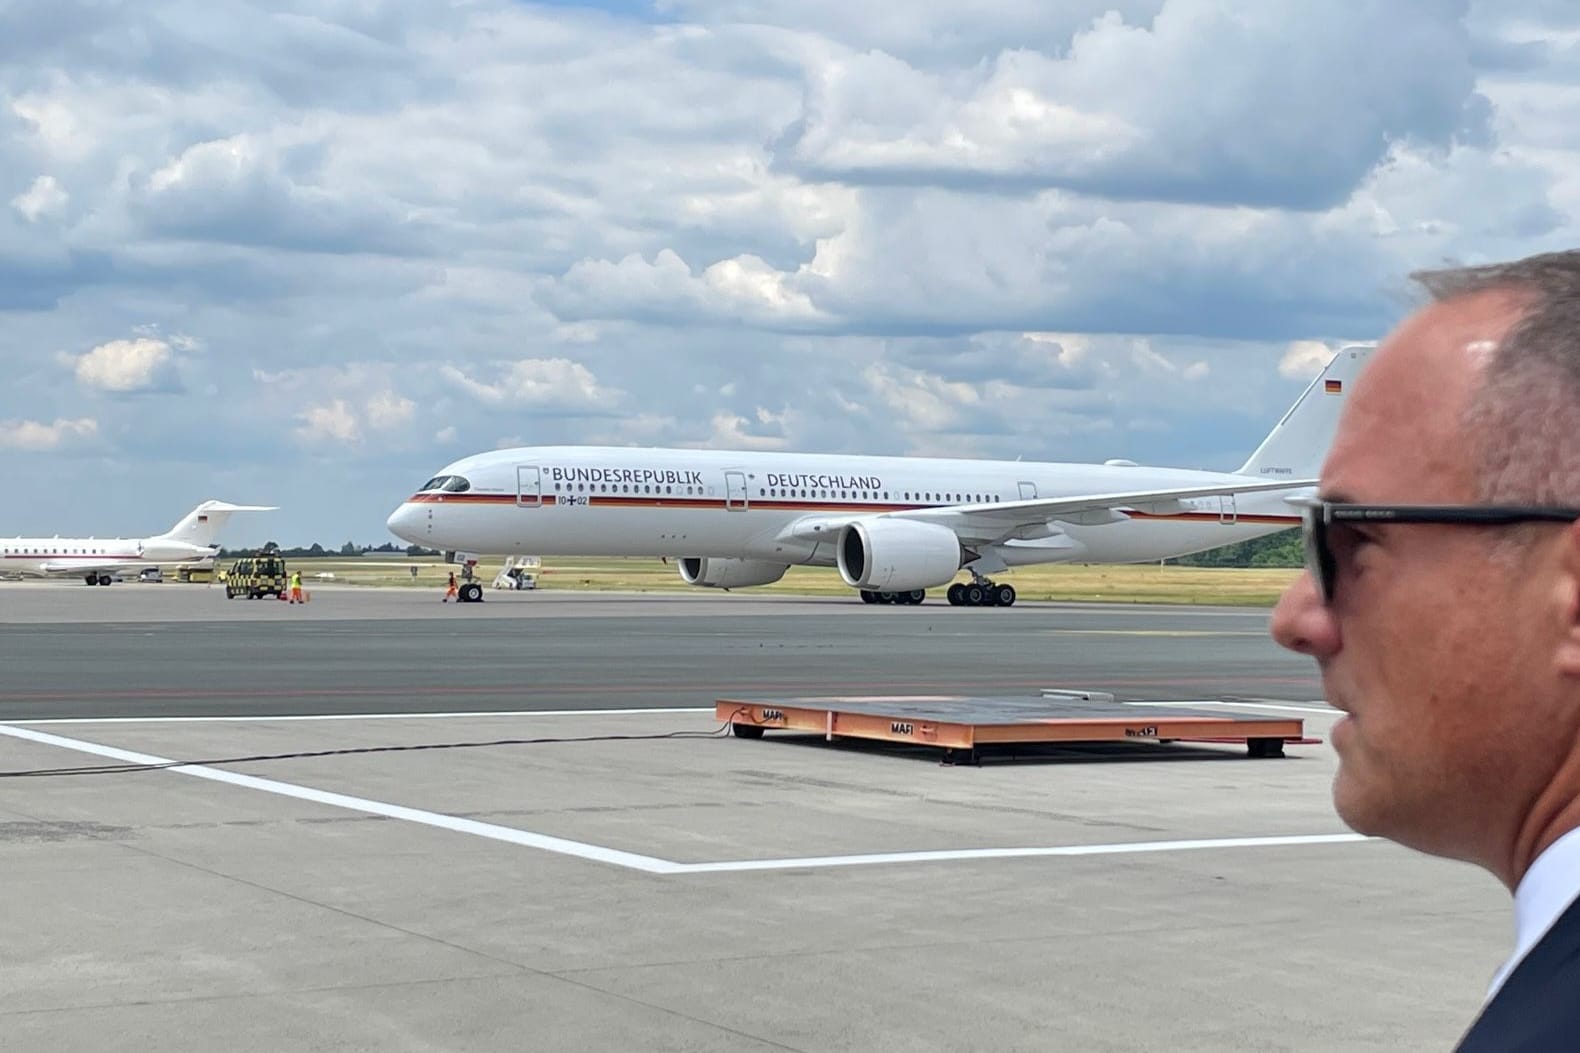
(1565, 595)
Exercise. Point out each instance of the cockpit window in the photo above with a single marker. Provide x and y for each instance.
(452, 484)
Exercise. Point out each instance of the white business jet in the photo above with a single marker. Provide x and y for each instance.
(97, 560)
(894, 526)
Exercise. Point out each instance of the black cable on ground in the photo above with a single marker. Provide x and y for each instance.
(121, 769)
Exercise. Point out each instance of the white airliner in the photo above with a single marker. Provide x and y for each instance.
(894, 526)
(97, 560)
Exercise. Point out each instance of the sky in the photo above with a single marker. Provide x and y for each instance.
(307, 253)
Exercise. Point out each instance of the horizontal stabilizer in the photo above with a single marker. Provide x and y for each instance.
(202, 525)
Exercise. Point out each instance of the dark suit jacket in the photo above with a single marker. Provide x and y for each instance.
(1537, 1010)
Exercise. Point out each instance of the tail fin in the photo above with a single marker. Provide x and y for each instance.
(1297, 444)
(203, 524)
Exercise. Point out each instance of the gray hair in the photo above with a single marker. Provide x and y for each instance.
(1524, 417)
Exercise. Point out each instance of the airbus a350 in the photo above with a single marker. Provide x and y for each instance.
(893, 526)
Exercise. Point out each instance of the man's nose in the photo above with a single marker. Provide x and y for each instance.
(1303, 623)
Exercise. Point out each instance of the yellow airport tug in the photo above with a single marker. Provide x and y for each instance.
(256, 577)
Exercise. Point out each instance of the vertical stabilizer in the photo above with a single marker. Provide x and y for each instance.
(1297, 444)
(203, 524)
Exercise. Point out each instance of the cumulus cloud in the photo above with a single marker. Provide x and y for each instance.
(350, 418)
(1305, 359)
(128, 367)
(35, 436)
(741, 289)
(44, 198)
(1227, 110)
(539, 383)
(332, 422)
(921, 400)
(265, 190)
(387, 410)
(734, 432)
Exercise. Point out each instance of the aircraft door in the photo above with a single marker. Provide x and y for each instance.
(1227, 513)
(736, 496)
(1028, 491)
(529, 486)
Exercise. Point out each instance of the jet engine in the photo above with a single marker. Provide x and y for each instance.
(716, 573)
(897, 555)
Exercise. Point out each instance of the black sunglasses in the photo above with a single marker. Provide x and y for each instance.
(1321, 516)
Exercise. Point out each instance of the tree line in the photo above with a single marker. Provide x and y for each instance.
(1282, 549)
(349, 550)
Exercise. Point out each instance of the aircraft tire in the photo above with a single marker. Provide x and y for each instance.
(917, 597)
(867, 596)
(104, 579)
(92, 579)
(974, 596)
(956, 594)
(1005, 596)
(471, 593)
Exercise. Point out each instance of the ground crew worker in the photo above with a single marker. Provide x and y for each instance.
(296, 587)
(450, 590)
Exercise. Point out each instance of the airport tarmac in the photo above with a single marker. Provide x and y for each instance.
(658, 886)
(162, 650)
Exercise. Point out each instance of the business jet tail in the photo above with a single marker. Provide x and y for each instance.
(1298, 444)
(203, 524)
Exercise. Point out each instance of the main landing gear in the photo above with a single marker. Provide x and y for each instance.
(912, 597)
(97, 579)
(981, 593)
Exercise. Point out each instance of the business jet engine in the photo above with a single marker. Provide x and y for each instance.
(715, 573)
(897, 555)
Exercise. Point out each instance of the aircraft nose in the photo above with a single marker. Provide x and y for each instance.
(403, 522)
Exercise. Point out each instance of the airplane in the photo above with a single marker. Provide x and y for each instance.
(96, 560)
(893, 526)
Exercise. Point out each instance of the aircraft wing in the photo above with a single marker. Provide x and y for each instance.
(994, 523)
(83, 566)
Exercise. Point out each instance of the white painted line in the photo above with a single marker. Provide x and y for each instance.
(362, 716)
(1014, 853)
(524, 838)
(1319, 710)
(650, 864)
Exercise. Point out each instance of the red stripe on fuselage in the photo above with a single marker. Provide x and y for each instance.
(682, 502)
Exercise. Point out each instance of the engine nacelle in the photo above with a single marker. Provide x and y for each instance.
(897, 555)
(716, 573)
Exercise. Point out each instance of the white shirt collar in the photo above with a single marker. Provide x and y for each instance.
(1544, 893)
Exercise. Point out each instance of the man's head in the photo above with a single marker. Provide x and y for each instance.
(1455, 650)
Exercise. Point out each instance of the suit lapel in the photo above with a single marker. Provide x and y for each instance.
(1510, 1011)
